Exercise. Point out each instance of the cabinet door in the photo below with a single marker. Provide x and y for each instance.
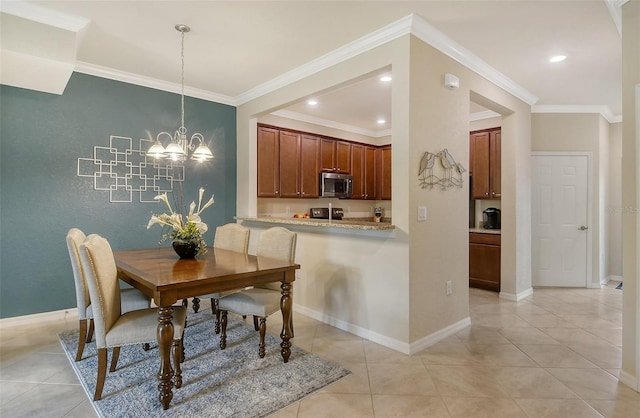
(369, 173)
(385, 173)
(343, 157)
(480, 185)
(289, 164)
(484, 266)
(309, 167)
(327, 154)
(357, 170)
(268, 163)
(495, 160)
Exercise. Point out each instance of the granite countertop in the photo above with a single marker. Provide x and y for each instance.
(485, 231)
(345, 223)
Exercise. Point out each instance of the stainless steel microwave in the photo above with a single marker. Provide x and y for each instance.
(336, 185)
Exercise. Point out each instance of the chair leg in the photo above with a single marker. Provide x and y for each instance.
(90, 333)
(81, 338)
(185, 303)
(216, 312)
(223, 334)
(196, 304)
(176, 348)
(102, 373)
(255, 323)
(115, 355)
(263, 331)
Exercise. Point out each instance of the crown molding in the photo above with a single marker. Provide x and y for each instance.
(615, 10)
(331, 124)
(487, 114)
(42, 15)
(379, 37)
(429, 34)
(125, 77)
(603, 110)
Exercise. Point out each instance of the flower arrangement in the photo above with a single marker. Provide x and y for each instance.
(190, 229)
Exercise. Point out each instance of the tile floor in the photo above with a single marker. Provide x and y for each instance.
(555, 354)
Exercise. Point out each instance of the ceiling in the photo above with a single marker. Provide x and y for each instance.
(238, 50)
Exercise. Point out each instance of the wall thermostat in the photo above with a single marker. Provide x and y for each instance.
(451, 81)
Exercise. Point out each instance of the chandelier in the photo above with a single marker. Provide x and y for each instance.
(179, 147)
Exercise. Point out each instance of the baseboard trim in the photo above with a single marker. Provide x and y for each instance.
(439, 335)
(629, 380)
(375, 337)
(518, 297)
(39, 317)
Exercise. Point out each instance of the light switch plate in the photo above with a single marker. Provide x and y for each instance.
(422, 213)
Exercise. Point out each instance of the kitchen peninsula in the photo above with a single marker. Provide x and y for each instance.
(348, 223)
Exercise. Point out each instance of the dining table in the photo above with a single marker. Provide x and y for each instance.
(160, 274)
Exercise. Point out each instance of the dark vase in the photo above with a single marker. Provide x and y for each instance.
(185, 248)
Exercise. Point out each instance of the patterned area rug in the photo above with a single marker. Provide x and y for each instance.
(233, 382)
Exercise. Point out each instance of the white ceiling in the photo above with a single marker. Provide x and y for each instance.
(237, 50)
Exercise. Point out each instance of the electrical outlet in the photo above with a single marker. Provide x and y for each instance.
(449, 287)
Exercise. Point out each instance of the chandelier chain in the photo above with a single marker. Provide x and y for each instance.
(182, 128)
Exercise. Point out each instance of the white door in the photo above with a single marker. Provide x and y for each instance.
(559, 220)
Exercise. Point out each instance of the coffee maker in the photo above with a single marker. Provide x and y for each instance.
(491, 218)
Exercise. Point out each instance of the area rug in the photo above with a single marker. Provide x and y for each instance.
(233, 382)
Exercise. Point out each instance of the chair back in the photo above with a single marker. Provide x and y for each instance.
(102, 279)
(278, 243)
(75, 238)
(232, 237)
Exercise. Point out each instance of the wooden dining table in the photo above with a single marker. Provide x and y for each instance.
(160, 274)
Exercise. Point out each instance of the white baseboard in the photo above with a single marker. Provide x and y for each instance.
(519, 296)
(629, 380)
(388, 342)
(39, 317)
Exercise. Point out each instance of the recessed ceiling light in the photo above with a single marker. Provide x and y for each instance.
(558, 58)
(385, 78)
(381, 121)
(312, 102)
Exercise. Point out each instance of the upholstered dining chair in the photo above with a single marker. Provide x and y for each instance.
(232, 237)
(131, 299)
(112, 328)
(261, 300)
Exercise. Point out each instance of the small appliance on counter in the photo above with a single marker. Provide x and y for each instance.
(491, 218)
(323, 213)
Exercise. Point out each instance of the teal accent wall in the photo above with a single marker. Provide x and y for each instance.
(41, 197)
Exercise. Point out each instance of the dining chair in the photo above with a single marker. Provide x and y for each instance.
(131, 299)
(114, 329)
(232, 237)
(261, 300)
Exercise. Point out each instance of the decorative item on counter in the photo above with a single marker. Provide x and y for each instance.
(377, 214)
(186, 237)
(301, 215)
(451, 171)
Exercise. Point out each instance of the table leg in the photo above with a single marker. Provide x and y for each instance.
(164, 334)
(287, 331)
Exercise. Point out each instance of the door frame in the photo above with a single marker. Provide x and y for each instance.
(589, 155)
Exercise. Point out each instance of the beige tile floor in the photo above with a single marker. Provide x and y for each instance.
(555, 354)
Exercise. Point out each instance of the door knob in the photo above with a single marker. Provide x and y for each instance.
(583, 228)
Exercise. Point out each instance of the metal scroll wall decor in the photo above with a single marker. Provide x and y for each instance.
(122, 170)
(440, 170)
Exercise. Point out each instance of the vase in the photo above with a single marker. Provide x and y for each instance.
(185, 248)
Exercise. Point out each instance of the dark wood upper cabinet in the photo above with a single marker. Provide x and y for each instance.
(485, 164)
(335, 156)
(383, 171)
(309, 166)
(290, 163)
(268, 162)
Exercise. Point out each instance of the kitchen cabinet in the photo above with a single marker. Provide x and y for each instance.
(484, 261)
(335, 156)
(299, 165)
(268, 162)
(383, 171)
(363, 170)
(485, 164)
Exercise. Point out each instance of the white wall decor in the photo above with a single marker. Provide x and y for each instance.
(123, 170)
